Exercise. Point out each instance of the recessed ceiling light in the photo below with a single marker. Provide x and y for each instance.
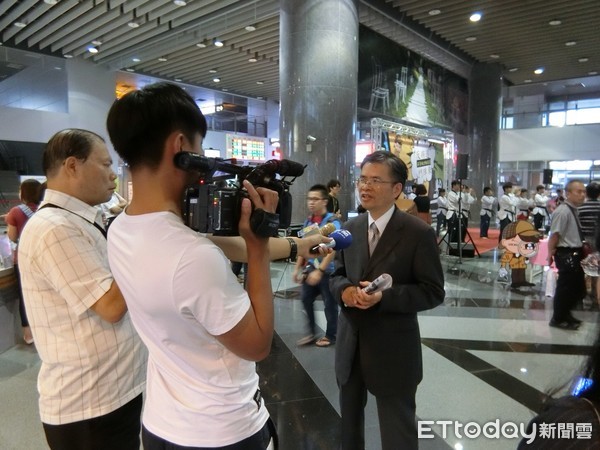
(97, 42)
(593, 72)
(201, 45)
(494, 56)
(260, 82)
(133, 24)
(250, 27)
(212, 71)
(570, 43)
(539, 71)
(225, 90)
(555, 22)
(129, 69)
(475, 17)
(471, 39)
(260, 97)
(584, 59)
(513, 69)
(20, 24)
(162, 59)
(216, 79)
(254, 58)
(218, 43)
(434, 12)
(51, 2)
(92, 50)
(179, 2)
(527, 81)
(136, 59)
(67, 55)
(178, 79)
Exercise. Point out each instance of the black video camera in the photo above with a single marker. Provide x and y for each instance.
(213, 204)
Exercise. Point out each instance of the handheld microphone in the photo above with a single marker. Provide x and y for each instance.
(381, 283)
(341, 240)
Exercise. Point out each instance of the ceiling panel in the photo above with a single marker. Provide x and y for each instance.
(516, 32)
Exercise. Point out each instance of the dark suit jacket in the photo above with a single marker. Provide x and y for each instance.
(388, 333)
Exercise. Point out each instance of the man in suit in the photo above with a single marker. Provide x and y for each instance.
(378, 346)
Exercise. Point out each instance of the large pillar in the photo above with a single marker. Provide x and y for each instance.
(318, 81)
(485, 105)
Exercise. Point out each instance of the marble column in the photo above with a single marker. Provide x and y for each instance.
(485, 105)
(318, 71)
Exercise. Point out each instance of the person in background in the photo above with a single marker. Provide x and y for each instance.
(313, 274)
(93, 363)
(540, 212)
(469, 198)
(423, 203)
(487, 208)
(113, 207)
(564, 247)
(442, 204)
(524, 204)
(555, 201)
(507, 205)
(17, 217)
(379, 347)
(455, 202)
(413, 193)
(589, 217)
(333, 204)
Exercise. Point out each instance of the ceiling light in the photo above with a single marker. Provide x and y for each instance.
(217, 42)
(539, 71)
(254, 58)
(67, 55)
(162, 59)
(494, 56)
(555, 22)
(475, 17)
(216, 79)
(593, 72)
(212, 71)
(20, 24)
(250, 27)
(527, 81)
(129, 69)
(435, 12)
(136, 59)
(471, 39)
(92, 50)
(570, 43)
(97, 42)
(201, 44)
(50, 2)
(260, 82)
(225, 90)
(133, 24)
(583, 59)
(178, 79)
(513, 69)
(179, 2)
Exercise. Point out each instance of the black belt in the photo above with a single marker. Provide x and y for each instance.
(568, 249)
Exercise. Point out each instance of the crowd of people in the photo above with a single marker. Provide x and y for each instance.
(111, 324)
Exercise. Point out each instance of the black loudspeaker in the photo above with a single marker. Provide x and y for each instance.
(462, 166)
(547, 176)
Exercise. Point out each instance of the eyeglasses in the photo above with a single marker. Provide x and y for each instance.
(314, 199)
(376, 182)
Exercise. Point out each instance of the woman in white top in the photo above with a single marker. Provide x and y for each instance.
(485, 215)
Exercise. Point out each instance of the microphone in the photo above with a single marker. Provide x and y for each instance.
(381, 283)
(341, 240)
(326, 230)
(285, 167)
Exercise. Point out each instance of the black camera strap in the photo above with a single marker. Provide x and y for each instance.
(263, 223)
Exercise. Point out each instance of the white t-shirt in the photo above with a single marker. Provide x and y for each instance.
(181, 292)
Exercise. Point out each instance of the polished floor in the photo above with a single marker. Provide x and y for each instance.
(489, 355)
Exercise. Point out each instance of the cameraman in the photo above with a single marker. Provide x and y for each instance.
(203, 331)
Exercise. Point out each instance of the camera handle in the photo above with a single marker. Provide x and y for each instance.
(263, 223)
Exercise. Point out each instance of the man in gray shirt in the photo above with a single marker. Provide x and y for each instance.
(564, 246)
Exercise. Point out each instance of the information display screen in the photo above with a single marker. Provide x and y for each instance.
(245, 148)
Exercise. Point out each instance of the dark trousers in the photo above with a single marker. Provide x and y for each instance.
(258, 441)
(440, 222)
(22, 312)
(309, 295)
(118, 430)
(503, 224)
(570, 285)
(538, 221)
(396, 415)
(484, 225)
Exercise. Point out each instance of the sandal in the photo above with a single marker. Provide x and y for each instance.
(323, 342)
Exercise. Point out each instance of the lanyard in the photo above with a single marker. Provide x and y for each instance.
(102, 230)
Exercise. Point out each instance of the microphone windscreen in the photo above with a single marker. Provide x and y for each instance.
(342, 239)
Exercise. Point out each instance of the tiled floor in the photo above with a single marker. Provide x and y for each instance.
(488, 355)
